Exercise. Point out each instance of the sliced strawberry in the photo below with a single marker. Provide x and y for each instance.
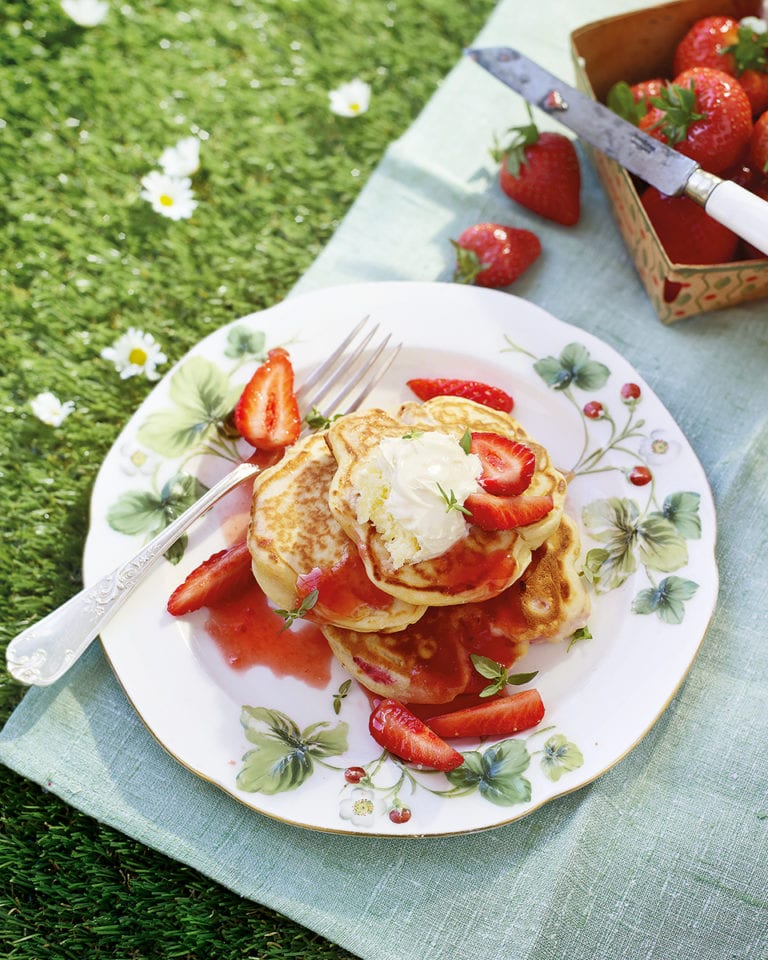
(395, 728)
(267, 415)
(497, 718)
(220, 577)
(508, 465)
(490, 512)
(494, 397)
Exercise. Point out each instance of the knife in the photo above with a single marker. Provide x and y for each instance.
(668, 170)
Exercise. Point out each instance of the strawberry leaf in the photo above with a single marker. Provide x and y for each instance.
(468, 264)
(750, 52)
(621, 101)
(513, 152)
(678, 106)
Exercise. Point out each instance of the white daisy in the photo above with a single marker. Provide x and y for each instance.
(85, 13)
(350, 99)
(48, 408)
(134, 353)
(181, 160)
(170, 196)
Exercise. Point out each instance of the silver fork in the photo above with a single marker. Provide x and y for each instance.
(46, 650)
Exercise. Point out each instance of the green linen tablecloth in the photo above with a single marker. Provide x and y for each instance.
(666, 855)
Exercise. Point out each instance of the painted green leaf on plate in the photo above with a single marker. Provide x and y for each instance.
(496, 773)
(202, 399)
(667, 599)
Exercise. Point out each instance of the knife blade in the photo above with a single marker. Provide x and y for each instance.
(668, 170)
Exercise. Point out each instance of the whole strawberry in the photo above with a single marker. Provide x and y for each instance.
(541, 172)
(731, 46)
(705, 114)
(687, 233)
(492, 255)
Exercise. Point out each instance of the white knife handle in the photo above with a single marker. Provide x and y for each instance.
(736, 208)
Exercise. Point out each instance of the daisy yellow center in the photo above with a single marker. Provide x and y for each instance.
(165, 200)
(354, 107)
(138, 356)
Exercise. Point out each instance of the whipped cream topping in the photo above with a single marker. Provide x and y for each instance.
(404, 490)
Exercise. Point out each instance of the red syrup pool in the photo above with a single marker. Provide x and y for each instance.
(249, 633)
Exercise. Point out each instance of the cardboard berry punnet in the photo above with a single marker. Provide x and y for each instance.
(634, 47)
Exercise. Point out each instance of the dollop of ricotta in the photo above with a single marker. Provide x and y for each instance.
(405, 491)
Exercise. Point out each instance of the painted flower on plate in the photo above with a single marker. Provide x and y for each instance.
(50, 410)
(171, 197)
(134, 353)
(85, 13)
(135, 460)
(350, 99)
(659, 447)
(361, 808)
(181, 160)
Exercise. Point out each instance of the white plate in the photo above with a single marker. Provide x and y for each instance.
(601, 694)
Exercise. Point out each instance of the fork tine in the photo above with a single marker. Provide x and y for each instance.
(374, 379)
(328, 365)
(348, 364)
(368, 368)
(354, 366)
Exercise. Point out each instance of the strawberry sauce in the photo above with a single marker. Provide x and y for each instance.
(249, 633)
(465, 566)
(342, 590)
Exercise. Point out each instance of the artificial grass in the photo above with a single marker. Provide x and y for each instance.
(84, 114)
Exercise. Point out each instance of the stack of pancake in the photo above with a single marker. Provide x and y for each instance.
(409, 631)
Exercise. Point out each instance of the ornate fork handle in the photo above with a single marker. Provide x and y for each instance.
(43, 652)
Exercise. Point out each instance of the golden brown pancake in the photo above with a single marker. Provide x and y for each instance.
(296, 545)
(480, 565)
(429, 661)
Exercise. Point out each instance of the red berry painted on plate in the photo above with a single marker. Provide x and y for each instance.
(496, 718)
(399, 814)
(630, 392)
(395, 728)
(593, 409)
(494, 255)
(489, 396)
(267, 414)
(490, 512)
(541, 172)
(220, 577)
(639, 476)
(354, 774)
(508, 465)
